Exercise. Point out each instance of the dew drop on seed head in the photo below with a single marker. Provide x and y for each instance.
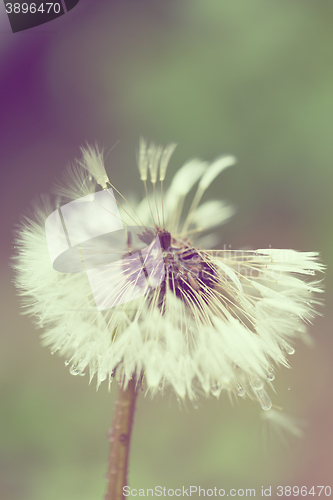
(258, 384)
(264, 400)
(67, 362)
(216, 390)
(289, 350)
(240, 391)
(270, 376)
(74, 370)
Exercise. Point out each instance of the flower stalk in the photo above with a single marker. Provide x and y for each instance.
(120, 439)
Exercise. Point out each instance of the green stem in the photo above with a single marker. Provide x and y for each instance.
(120, 437)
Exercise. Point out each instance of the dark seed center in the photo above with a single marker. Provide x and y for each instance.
(186, 270)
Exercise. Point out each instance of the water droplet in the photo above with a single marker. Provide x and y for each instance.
(67, 362)
(82, 374)
(270, 375)
(240, 391)
(74, 370)
(264, 400)
(288, 348)
(216, 390)
(258, 384)
(288, 388)
(160, 386)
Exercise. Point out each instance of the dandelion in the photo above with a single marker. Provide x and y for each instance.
(161, 310)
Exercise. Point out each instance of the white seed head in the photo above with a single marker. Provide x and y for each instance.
(155, 158)
(165, 158)
(142, 159)
(93, 162)
(216, 320)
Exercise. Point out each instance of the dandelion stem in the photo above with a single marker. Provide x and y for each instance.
(120, 437)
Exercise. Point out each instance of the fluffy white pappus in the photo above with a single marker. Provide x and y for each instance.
(218, 166)
(281, 424)
(213, 321)
(211, 214)
(184, 180)
(153, 158)
(93, 161)
(76, 183)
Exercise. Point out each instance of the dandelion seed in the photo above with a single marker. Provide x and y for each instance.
(218, 320)
(282, 423)
(92, 161)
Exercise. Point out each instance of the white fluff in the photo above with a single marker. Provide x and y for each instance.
(227, 337)
(93, 161)
(215, 169)
(282, 423)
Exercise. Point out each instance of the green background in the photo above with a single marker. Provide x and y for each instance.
(253, 78)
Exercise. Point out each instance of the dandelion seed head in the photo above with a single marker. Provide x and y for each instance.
(213, 321)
